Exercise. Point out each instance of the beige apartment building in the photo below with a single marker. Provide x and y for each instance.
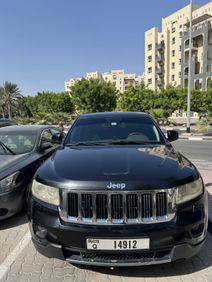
(121, 80)
(166, 52)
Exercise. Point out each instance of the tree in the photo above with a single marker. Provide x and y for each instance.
(22, 108)
(93, 95)
(2, 102)
(136, 99)
(201, 102)
(11, 95)
(49, 102)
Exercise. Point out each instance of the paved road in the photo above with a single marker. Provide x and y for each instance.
(199, 152)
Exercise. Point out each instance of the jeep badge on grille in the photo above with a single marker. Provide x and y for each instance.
(116, 186)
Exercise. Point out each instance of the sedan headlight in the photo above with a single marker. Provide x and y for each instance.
(45, 193)
(189, 191)
(8, 183)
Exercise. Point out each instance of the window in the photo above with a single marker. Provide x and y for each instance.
(173, 53)
(180, 26)
(173, 77)
(19, 142)
(180, 48)
(180, 74)
(173, 29)
(173, 65)
(150, 70)
(173, 40)
(113, 129)
(149, 47)
(149, 81)
(180, 34)
(180, 61)
(149, 58)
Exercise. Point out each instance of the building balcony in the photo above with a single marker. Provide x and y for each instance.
(193, 48)
(160, 46)
(159, 70)
(159, 82)
(159, 59)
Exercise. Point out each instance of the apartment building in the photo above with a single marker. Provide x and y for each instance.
(119, 78)
(166, 52)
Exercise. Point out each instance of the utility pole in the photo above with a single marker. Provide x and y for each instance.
(189, 71)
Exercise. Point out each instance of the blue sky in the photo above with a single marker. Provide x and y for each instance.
(45, 42)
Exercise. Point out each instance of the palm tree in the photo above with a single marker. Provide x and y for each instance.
(11, 96)
(2, 102)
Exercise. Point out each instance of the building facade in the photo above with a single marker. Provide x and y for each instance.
(121, 80)
(166, 52)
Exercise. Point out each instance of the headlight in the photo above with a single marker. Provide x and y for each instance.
(45, 193)
(7, 183)
(189, 191)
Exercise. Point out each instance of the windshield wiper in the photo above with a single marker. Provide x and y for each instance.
(7, 148)
(128, 142)
(85, 144)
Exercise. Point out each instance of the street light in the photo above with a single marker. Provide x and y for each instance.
(189, 71)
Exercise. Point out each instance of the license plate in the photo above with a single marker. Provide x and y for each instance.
(117, 244)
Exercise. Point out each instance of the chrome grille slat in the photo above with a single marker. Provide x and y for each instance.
(117, 207)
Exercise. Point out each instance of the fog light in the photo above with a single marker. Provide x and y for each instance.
(41, 232)
(198, 232)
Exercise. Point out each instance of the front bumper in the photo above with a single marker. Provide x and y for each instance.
(12, 201)
(182, 237)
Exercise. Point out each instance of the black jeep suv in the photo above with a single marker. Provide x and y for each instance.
(117, 194)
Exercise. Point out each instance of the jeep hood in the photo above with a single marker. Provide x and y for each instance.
(93, 167)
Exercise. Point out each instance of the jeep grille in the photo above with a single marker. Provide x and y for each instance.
(117, 207)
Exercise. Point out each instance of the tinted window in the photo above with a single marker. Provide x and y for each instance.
(18, 142)
(139, 129)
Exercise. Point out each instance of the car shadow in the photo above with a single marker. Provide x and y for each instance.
(182, 267)
(16, 220)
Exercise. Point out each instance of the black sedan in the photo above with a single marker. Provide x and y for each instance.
(22, 150)
(6, 122)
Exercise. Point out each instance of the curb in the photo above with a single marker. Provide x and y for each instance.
(195, 138)
(191, 136)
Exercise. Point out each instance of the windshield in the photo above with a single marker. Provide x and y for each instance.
(17, 142)
(120, 130)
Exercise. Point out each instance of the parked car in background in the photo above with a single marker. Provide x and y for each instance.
(23, 148)
(6, 122)
(117, 193)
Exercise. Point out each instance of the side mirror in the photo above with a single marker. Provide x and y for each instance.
(57, 138)
(172, 135)
(45, 146)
